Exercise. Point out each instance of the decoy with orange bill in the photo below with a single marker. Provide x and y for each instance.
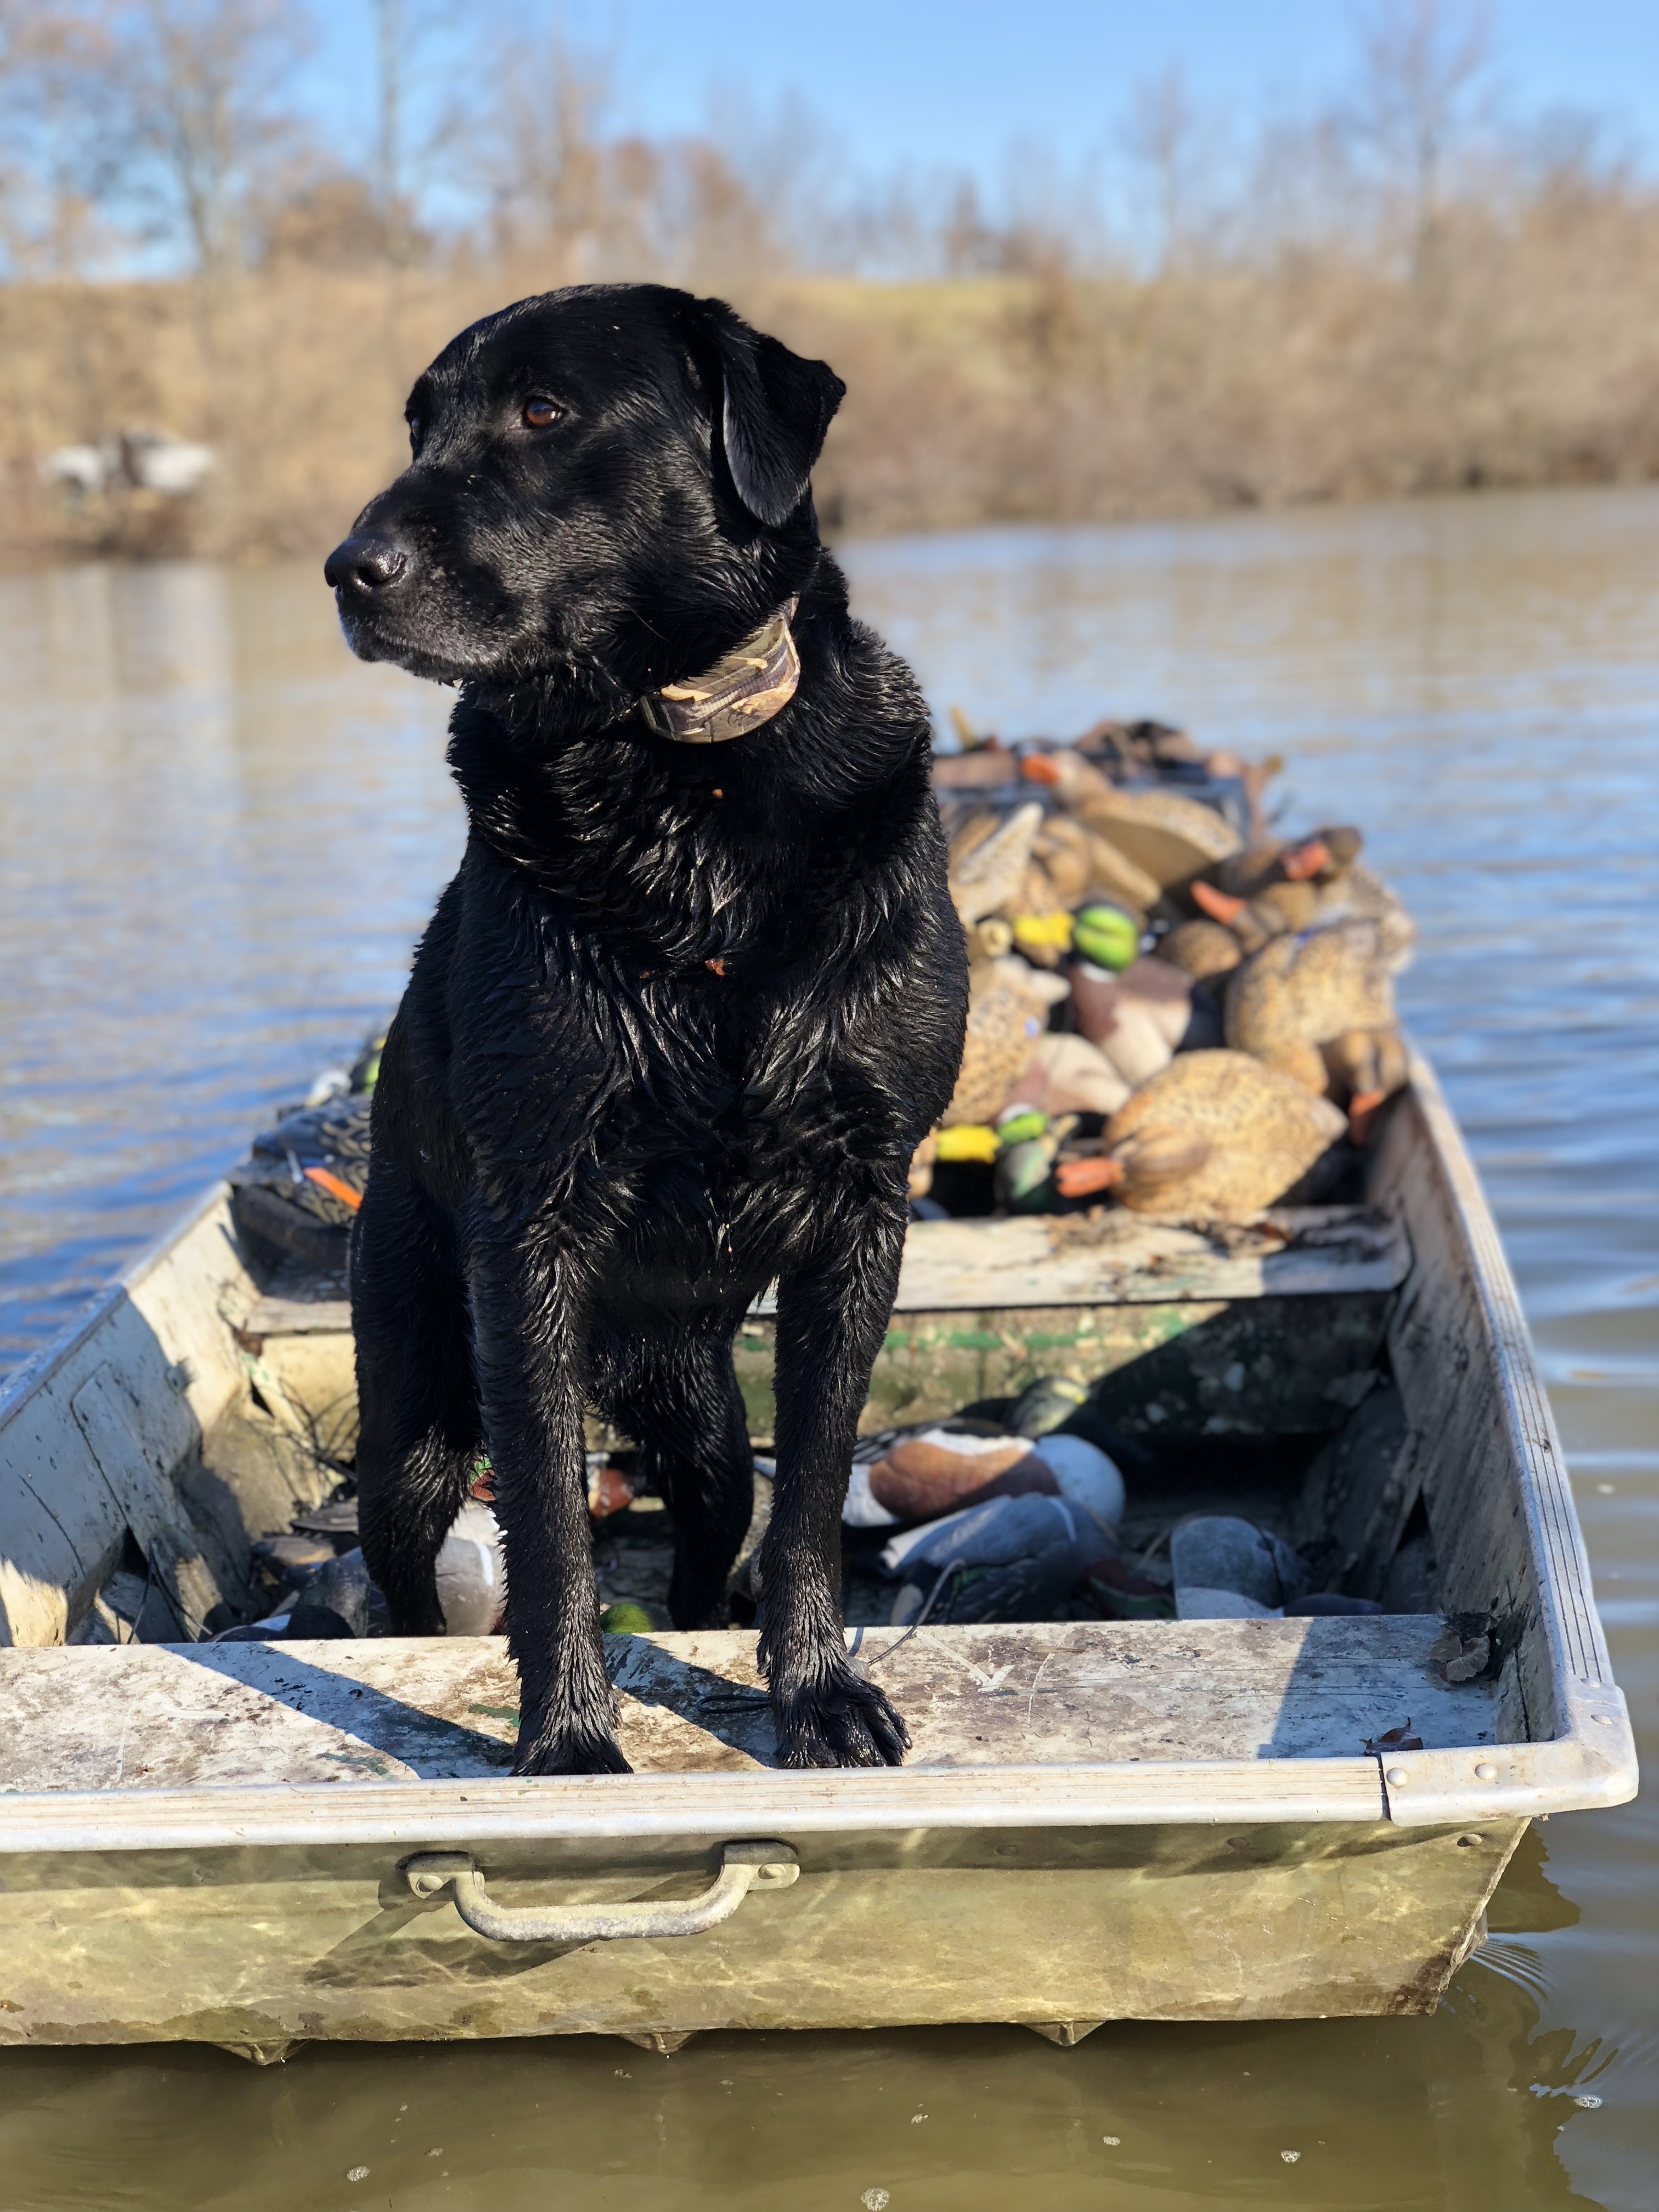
(1217, 1134)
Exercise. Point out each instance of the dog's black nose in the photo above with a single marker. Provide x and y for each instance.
(364, 565)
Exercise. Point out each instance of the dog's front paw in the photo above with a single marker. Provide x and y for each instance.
(845, 1720)
(570, 1753)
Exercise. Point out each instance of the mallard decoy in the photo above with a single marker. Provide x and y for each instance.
(1008, 1006)
(1365, 1067)
(921, 1476)
(1276, 909)
(1171, 838)
(1070, 773)
(1321, 858)
(1137, 1019)
(1297, 992)
(988, 860)
(1066, 1074)
(1217, 1134)
(1320, 1008)
(1202, 950)
(1270, 889)
(1029, 1142)
(1107, 936)
(1266, 891)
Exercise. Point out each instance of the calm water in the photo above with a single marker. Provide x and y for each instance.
(219, 836)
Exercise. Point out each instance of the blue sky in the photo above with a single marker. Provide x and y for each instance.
(924, 84)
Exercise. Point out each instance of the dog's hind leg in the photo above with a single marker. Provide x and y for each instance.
(419, 1430)
(531, 1343)
(832, 1314)
(677, 1395)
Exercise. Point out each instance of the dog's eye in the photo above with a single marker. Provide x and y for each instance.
(413, 431)
(538, 413)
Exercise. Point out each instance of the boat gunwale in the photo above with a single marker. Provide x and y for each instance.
(615, 1808)
(38, 1370)
(1593, 1751)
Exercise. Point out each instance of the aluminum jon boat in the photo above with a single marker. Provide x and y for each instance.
(256, 1844)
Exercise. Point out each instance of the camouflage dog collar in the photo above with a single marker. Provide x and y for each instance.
(753, 682)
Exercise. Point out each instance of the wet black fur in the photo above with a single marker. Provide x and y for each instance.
(591, 1149)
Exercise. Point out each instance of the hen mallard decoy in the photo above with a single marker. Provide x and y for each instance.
(1216, 1135)
(1320, 1008)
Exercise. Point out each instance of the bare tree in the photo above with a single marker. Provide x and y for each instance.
(1298, 196)
(407, 134)
(542, 161)
(1426, 73)
(1170, 142)
(56, 154)
(968, 240)
(389, 59)
(201, 87)
(795, 172)
(896, 225)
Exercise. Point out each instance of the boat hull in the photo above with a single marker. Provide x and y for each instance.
(1056, 1929)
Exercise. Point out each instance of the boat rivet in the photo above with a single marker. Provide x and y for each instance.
(1486, 1772)
(1399, 1776)
(1464, 1842)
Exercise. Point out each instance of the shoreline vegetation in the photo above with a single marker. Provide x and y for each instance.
(997, 398)
(1395, 290)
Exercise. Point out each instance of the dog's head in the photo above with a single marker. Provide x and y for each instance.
(610, 488)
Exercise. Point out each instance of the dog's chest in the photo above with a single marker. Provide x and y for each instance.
(730, 1142)
(730, 1072)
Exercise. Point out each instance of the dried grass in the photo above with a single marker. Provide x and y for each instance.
(1527, 353)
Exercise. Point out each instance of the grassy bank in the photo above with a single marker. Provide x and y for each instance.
(1526, 352)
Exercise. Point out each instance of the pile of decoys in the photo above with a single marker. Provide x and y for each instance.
(978, 1518)
(1169, 1008)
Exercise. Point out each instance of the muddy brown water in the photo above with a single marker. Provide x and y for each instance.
(219, 835)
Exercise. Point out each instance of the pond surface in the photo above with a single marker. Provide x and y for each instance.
(218, 837)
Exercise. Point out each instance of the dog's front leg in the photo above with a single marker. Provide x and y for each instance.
(526, 1304)
(832, 1316)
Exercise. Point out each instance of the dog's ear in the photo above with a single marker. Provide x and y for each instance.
(775, 410)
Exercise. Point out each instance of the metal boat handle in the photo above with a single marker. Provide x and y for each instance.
(749, 1865)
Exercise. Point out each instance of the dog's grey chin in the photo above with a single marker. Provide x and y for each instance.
(523, 680)
(369, 640)
(361, 640)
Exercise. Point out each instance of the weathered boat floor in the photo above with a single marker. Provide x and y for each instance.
(157, 1717)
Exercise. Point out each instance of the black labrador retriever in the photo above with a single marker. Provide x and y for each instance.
(678, 1025)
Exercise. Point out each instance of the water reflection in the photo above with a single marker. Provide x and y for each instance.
(219, 835)
(1464, 2110)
